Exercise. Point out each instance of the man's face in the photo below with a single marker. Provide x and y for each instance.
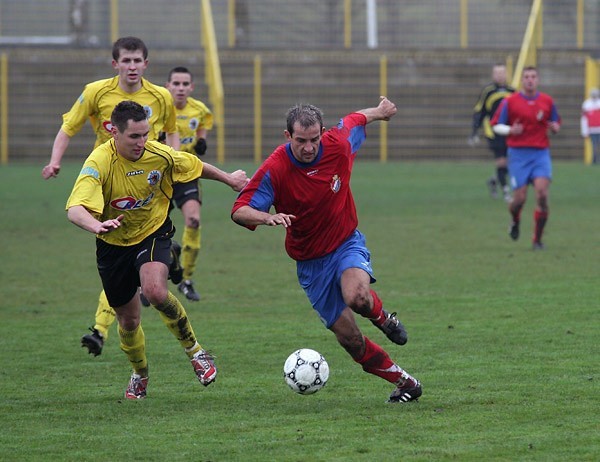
(530, 81)
(130, 143)
(130, 67)
(499, 75)
(180, 86)
(304, 142)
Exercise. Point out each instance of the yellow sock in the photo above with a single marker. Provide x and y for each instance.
(133, 344)
(105, 316)
(173, 315)
(191, 242)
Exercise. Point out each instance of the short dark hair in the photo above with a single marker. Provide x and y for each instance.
(129, 44)
(305, 114)
(530, 68)
(180, 70)
(126, 111)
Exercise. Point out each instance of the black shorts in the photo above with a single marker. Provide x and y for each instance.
(498, 146)
(119, 266)
(183, 192)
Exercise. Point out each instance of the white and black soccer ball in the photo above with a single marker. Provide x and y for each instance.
(306, 371)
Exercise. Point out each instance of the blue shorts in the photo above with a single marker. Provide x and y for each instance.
(527, 164)
(321, 277)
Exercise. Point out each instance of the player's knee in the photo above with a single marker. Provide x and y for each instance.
(156, 295)
(192, 222)
(360, 302)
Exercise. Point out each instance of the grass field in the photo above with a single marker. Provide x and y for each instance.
(505, 340)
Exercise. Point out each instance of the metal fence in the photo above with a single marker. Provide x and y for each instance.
(437, 53)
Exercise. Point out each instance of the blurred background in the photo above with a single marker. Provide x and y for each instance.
(253, 59)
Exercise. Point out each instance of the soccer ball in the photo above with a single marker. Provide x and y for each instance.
(306, 371)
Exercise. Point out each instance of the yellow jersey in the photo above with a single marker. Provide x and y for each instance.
(110, 185)
(193, 116)
(99, 98)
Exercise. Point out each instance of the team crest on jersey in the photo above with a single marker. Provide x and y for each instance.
(148, 111)
(336, 183)
(540, 115)
(107, 126)
(194, 122)
(154, 177)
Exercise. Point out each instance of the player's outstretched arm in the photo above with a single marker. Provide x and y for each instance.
(247, 216)
(236, 180)
(61, 142)
(384, 111)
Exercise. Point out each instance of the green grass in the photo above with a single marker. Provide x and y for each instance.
(504, 340)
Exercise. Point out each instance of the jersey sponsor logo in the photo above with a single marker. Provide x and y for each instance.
(130, 203)
(90, 172)
(312, 172)
(187, 140)
(336, 183)
(154, 177)
(134, 173)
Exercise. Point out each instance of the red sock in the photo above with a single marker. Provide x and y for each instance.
(377, 362)
(377, 311)
(539, 217)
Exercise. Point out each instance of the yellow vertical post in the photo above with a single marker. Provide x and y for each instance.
(4, 108)
(580, 23)
(510, 68)
(231, 24)
(114, 20)
(383, 127)
(257, 109)
(539, 40)
(347, 24)
(464, 23)
(591, 81)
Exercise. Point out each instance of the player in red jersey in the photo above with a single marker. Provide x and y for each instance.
(525, 117)
(307, 180)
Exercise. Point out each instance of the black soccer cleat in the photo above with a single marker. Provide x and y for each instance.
(187, 289)
(175, 269)
(392, 328)
(409, 391)
(93, 342)
(513, 231)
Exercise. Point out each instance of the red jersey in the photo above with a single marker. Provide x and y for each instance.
(318, 193)
(534, 113)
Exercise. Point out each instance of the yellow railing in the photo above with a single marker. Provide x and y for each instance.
(212, 70)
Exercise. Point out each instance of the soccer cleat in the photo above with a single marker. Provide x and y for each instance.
(137, 387)
(392, 328)
(409, 391)
(204, 367)
(513, 231)
(538, 246)
(144, 300)
(93, 342)
(187, 289)
(492, 186)
(175, 269)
